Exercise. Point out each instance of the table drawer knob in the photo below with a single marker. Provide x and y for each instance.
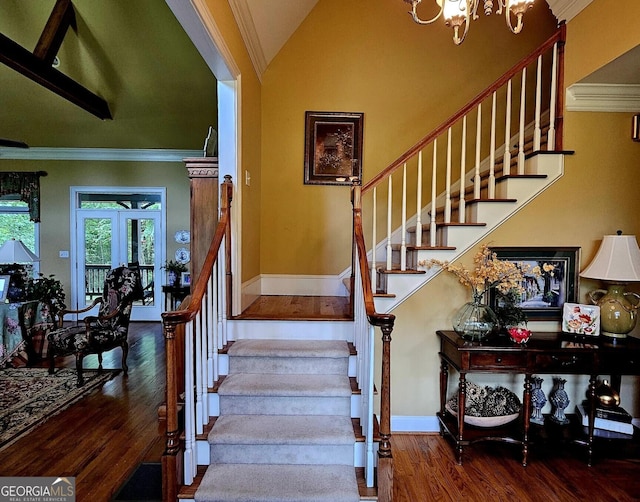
(498, 359)
(565, 362)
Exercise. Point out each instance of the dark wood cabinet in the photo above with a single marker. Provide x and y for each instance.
(545, 353)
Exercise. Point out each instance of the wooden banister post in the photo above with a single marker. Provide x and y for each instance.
(170, 457)
(385, 459)
(560, 88)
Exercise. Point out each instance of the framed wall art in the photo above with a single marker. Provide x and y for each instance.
(333, 148)
(557, 283)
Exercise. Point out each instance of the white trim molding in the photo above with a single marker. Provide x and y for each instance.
(242, 14)
(111, 154)
(565, 10)
(603, 98)
(303, 285)
(401, 423)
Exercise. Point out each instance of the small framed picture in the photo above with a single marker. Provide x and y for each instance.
(333, 148)
(185, 278)
(5, 280)
(581, 319)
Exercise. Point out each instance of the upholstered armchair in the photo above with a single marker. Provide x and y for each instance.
(104, 332)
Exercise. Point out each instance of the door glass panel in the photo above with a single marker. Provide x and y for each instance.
(141, 249)
(97, 252)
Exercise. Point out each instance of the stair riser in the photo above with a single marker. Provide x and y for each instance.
(278, 405)
(282, 454)
(293, 365)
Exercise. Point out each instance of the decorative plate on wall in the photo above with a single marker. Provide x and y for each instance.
(182, 255)
(183, 236)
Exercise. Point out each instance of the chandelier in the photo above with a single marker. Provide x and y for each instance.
(459, 12)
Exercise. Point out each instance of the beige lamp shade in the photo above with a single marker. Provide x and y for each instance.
(14, 251)
(617, 260)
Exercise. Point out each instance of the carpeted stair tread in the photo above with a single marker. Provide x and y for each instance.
(290, 348)
(255, 384)
(282, 429)
(278, 483)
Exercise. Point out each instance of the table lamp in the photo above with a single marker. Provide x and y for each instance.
(14, 251)
(617, 262)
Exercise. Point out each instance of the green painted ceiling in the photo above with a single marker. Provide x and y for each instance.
(134, 54)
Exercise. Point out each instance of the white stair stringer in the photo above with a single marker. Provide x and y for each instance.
(492, 214)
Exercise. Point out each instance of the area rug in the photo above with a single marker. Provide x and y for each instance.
(29, 396)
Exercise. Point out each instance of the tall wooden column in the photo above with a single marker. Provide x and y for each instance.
(203, 175)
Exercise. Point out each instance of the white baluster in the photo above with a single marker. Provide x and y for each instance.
(492, 150)
(389, 249)
(374, 238)
(447, 188)
(189, 457)
(506, 159)
(537, 135)
(463, 160)
(523, 100)
(432, 225)
(419, 202)
(403, 239)
(198, 373)
(477, 181)
(551, 134)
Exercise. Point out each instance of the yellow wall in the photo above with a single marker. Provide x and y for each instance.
(373, 59)
(55, 200)
(249, 108)
(596, 196)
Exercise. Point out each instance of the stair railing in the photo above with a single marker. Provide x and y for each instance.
(193, 336)
(366, 319)
(514, 98)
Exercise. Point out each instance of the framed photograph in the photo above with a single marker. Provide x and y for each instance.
(333, 148)
(185, 278)
(557, 284)
(5, 280)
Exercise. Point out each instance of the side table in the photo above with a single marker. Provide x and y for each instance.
(174, 295)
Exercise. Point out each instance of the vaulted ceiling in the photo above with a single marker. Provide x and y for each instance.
(135, 55)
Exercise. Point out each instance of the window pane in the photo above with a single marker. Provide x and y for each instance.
(17, 226)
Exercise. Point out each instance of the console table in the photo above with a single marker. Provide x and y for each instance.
(175, 294)
(544, 353)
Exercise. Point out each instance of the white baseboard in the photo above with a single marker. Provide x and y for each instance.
(250, 292)
(303, 285)
(414, 424)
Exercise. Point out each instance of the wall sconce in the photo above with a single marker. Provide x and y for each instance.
(635, 128)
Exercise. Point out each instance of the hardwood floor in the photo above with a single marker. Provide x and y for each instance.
(102, 438)
(299, 308)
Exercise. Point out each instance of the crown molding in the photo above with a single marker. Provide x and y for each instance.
(603, 98)
(104, 154)
(242, 15)
(565, 10)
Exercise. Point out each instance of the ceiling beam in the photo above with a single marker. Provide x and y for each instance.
(37, 65)
(62, 16)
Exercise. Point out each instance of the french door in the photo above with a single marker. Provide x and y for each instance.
(107, 238)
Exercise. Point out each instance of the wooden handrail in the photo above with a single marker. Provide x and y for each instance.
(173, 328)
(559, 36)
(385, 322)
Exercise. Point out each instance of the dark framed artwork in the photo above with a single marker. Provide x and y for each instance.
(333, 148)
(557, 284)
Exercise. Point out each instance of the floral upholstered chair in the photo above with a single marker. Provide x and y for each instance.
(107, 330)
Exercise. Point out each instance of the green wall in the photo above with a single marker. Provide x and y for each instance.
(55, 232)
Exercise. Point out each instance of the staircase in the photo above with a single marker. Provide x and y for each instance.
(284, 430)
(284, 400)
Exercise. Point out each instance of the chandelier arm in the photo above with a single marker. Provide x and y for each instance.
(458, 40)
(518, 27)
(414, 14)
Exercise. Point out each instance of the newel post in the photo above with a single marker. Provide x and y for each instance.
(171, 463)
(385, 459)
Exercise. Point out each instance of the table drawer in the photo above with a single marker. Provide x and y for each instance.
(613, 363)
(564, 363)
(497, 360)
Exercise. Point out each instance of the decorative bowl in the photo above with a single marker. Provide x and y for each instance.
(496, 421)
(519, 335)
